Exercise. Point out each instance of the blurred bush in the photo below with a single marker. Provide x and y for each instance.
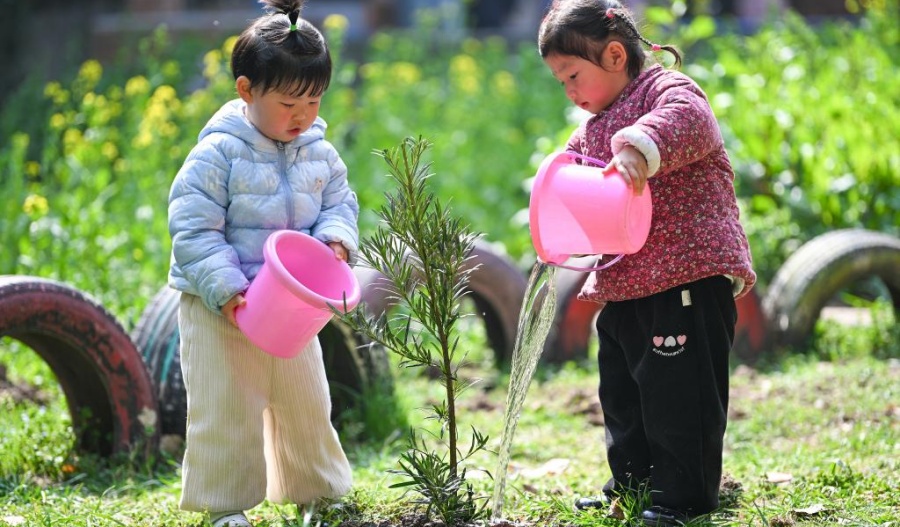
(811, 119)
(810, 116)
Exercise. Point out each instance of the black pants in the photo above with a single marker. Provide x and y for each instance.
(664, 391)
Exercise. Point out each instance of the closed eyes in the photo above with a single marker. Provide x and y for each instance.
(571, 78)
(291, 105)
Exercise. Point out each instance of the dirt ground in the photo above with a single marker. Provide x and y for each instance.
(19, 392)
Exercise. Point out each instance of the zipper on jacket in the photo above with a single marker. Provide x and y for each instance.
(282, 162)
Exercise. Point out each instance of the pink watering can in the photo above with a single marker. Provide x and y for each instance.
(288, 301)
(576, 210)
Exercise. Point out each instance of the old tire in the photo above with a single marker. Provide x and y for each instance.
(496, 287)
(819, 270)
(156, 337)
(352, 366)
(751, 334)
(573, 323)
(107, 388)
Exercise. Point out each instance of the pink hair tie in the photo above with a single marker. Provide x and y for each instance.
(610, 13)
(655, 47)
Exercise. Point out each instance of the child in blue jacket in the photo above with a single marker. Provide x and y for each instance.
(258, 426)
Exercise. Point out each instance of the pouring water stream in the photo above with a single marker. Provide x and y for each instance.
(535, 319)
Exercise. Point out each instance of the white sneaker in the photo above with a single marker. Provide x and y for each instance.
(230, 519)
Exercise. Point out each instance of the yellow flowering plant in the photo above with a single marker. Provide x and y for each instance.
(103, 148)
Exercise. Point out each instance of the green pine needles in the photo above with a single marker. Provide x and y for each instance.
(422, 250)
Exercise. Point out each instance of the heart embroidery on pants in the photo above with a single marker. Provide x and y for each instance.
(668, 346)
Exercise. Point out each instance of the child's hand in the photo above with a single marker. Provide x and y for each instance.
(340, 252)
(228, 309)
(632, 165)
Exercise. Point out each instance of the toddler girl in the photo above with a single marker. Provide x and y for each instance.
(668, 324)
(258, 426)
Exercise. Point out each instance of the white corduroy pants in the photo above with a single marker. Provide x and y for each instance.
(258, 426)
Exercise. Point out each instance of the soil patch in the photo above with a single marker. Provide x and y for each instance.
(20, 393)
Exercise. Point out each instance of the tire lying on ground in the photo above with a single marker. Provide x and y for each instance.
(821, 268)
(156, 337)
(109, 393)
(352, 366)
(496, 287)
(573, 323)
(751, 334)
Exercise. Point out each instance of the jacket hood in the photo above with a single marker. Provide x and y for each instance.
(231, 120)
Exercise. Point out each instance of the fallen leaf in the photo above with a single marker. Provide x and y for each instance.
(779, 478)
(809, 511)
(14, 520)
(615, 510)
(554, 467)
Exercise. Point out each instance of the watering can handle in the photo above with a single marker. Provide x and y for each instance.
(597, 162)
(590, 269)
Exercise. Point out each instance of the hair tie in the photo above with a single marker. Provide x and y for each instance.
(292, 18)
(293, 27)
(656, 47)
(610, 13)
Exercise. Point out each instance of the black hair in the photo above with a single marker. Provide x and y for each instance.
(583, 28)
(283, 52)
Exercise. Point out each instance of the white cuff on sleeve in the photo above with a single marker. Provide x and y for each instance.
(631, 135)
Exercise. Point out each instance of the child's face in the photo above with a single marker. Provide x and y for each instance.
(277, 115)
(589, 86)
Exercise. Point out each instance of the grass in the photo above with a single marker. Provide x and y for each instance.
(809, 442)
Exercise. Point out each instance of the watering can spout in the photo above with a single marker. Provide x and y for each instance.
(575, 210)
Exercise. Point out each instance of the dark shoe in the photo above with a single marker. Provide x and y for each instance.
(593, 502)
(657, 516)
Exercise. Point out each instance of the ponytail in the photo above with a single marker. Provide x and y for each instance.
(282, 51)
(291, 8)
(631, 27)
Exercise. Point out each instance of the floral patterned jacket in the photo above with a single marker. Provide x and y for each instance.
(695, 231)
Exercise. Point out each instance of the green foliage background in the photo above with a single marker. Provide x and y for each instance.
(810, 114)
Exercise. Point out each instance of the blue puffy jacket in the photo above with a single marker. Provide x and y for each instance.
(236, 187)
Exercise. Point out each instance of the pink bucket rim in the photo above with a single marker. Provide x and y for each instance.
(295, 287)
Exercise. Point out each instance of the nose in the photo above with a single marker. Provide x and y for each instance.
(570, 93)
(299, 116)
